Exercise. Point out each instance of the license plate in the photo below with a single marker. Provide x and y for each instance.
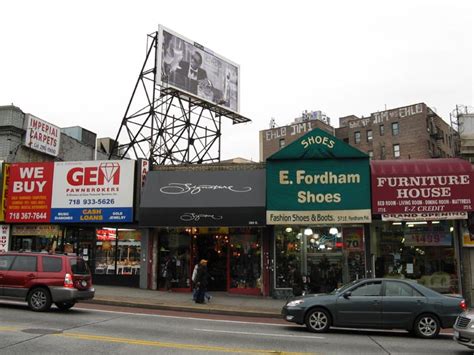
(456, 334)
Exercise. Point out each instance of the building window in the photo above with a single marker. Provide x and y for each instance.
(317, 251)
(382, 152)
(346, 140)
(281, 142)
(395, 129)
(382, 129)
(371, 154)
(396, 150)
(357, 137)
(369, 135)
(433, 265)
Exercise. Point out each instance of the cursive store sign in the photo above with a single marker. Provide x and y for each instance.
(177, 188)
(190, 216)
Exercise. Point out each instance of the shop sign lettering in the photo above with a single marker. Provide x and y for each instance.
(190, 216)
(4, 237)
(428, 239)
(422, 194)
(293, 130)
(42, 136)
(29, 192)
(177, 188)
(94, 175)
(303, 191)
(389, 115)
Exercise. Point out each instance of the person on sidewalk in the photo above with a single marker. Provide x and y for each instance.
(207, 296)
(193, 279)
(202, 279)
(296, 280)
(169, 271)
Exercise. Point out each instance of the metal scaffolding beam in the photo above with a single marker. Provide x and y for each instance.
(167, 126)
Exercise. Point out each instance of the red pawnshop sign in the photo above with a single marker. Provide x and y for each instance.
(29, 193)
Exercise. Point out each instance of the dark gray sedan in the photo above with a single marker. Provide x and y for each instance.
(377, 303)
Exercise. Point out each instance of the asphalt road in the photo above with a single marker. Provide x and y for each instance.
(104, 330)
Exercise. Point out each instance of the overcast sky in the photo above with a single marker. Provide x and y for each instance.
(76, 63)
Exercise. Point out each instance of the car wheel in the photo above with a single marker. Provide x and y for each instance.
(318, 320)
(64, 306)
(427, 326)
(39, 299)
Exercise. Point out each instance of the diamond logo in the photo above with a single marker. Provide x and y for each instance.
(109, 170)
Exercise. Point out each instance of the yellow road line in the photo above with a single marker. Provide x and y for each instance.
(9, 329)
(172, 345)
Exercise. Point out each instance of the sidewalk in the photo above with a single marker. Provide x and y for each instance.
(221, 302)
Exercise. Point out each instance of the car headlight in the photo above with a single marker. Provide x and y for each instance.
(294, 303)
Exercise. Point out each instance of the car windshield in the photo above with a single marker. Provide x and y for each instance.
(79, 266)
(344, 287)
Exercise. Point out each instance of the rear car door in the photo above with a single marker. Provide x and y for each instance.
(20, 276)
(81, 273)
(5, 263)
(363, 307)
(401, 303)
(52, 270)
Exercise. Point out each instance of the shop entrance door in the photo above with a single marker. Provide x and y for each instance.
(214, 249)
(80, 241)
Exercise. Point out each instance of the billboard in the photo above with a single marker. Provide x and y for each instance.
(193, 69)
(42, 136)
(71, 192)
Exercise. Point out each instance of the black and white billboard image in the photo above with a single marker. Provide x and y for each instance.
(193, 69)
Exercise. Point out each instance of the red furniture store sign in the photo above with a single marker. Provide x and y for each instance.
(422, 186)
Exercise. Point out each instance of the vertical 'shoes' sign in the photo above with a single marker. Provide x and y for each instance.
(29, 193)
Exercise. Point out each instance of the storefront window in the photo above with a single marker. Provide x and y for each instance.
(36, 237)
(245, 259)
(128, 252)
(117, 251)
(326, 256)
(423, 251)
(105, 251)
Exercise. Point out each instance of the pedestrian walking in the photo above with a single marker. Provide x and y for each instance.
(202, 279)
(169, 270)
(193, 279)
(296, 280)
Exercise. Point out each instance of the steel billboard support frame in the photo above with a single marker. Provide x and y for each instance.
(167, 126)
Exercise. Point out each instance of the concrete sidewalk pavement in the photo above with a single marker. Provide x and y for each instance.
(221, 302)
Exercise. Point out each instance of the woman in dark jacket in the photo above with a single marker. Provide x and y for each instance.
(202, 279)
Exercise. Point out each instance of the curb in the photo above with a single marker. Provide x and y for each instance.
(184, 308)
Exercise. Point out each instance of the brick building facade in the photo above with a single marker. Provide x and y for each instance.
(273, 139)
(408, 132)
(73, 147)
